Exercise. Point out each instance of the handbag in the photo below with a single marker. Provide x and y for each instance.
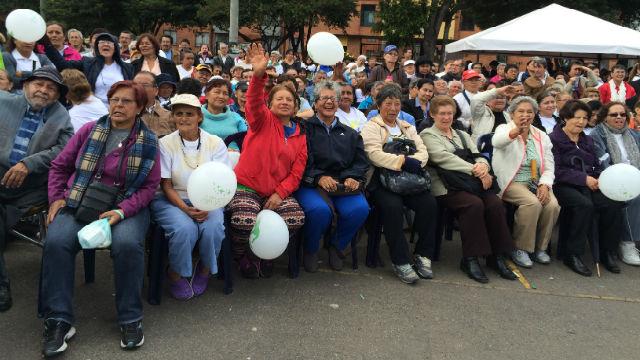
(403, 182)
(460, 181)
(99, 197)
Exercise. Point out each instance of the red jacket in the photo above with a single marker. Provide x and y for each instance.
(605, 92)
(269, 162)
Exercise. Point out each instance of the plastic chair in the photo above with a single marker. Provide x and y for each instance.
(485, 147)
(35, 217)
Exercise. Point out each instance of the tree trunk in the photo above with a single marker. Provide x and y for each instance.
(432, 27)
(447, 27)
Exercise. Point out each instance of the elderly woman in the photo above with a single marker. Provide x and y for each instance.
(271, 167)
(86, 107)
(576, 186)
(117, 154)
(615, 144)
(488, 110)
(333, 180)
(181, 152)
(380, 130)
(102, 71)
(523, 164)
(545, 119)
(20, 61)
(219, 120)
(481, 215)
(149, 47)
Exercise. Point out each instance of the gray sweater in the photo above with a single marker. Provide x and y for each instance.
(45, 144)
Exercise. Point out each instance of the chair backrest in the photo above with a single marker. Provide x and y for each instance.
(485, 147)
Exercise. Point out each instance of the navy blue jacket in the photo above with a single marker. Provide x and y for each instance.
(339, 153)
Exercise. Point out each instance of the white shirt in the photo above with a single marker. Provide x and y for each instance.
(26, 64)
(394, 131)
(465, 107)
(109, 75)
(360, 96)
(624, 156)
(184, 73)
(90, 110)
(548, 123)
(354, 119)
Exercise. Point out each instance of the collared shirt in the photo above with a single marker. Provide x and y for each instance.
(31, 121)
(329, 127)
(26, 64)
(425, 113)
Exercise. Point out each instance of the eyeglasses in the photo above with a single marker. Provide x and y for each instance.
(617, 115)
(105, 42)
(146, 86)
(116, 101)
(327, 98)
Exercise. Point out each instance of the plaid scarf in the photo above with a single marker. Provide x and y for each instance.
(140, 159)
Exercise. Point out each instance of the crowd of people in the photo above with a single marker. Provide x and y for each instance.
(113, 130)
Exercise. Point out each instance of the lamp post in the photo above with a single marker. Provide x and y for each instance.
(233, 21)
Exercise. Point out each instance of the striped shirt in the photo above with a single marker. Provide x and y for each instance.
(30, 124)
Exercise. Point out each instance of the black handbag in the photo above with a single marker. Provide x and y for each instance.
(403, 182)
(99, 197)
(459, 181)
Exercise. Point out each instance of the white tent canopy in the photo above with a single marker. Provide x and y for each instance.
(554, 31)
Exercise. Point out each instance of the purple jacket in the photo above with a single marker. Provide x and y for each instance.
(569, 158)
(63, 171)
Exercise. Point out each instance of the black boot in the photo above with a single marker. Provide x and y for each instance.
(497, 263)
(5, 297)
(609, 262)
(575, 263)
(471, 267)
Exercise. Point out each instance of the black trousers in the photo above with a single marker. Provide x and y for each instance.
(483, 223)
(391, 207)
(581, 205)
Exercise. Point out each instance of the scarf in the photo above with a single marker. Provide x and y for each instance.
(140, 159)
(618, 95)
(633, 153)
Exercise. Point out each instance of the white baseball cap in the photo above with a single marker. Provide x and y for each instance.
(186, 99)
(409, 62)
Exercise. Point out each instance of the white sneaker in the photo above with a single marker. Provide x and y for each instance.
(629, 254)
(541, 256)
(521, 258)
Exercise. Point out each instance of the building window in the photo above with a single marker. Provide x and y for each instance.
(202, 38)
(467, 23)
(367, 15)
(173, 35)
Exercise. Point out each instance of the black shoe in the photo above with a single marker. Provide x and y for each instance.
(266, 268)
(609, 262)
(5, 297)
(54, 339)
(310, 262)
(575, 263)
(132, 335)
(335, 261)
(471, 267)
(497, 263)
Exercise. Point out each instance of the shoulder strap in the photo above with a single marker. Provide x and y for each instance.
(464, 141)
(466, 97)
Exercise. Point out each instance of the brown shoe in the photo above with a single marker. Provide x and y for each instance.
(335, 261)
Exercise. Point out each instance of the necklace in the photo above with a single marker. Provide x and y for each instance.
(188, 158)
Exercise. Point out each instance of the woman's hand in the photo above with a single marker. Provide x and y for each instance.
(592, 183)
(328, 183)
(486, 181)
(196, 214)
(273, 202)
(351, 184)
(54, 208)
(543, 194)
(113, 216)
(480, 169)
(257, 58)
(507, 91)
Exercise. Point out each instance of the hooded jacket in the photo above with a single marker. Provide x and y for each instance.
(90, 66)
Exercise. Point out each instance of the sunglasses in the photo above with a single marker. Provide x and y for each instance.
(617, 115)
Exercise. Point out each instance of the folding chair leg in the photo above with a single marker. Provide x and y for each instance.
(354, 250)
(292, 252)
(159, 247)
(226, 266)
(89, 266)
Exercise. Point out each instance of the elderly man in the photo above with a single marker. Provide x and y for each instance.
(472, 82)
(35, 128)
(157, 118)
(223, 59)
(203, 75)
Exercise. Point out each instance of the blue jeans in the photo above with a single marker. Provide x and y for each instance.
(183, 233)
(352, 211)
(58, 266)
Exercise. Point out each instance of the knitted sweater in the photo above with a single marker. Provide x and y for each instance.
(223, 124)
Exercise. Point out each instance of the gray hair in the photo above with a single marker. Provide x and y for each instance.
(326, 85)
(455, 82)
(515, 103)
(388, 91)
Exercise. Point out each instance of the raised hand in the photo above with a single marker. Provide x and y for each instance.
(257, 58)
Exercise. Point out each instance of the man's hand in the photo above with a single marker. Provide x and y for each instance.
(15, 176)
(351, 184)
(328, 183)
(54, 208)
(273, 202)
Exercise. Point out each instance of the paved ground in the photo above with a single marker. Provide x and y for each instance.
(365, 314)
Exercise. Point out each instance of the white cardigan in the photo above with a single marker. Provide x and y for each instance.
(482, 117)
(508, 155)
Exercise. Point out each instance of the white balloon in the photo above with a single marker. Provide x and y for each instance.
(234, 156)
(325, 49)
(25, 25)
(620, 182)
(270, 235)
(211, 186)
